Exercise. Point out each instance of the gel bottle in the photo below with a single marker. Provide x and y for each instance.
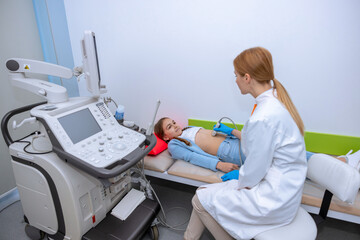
(119, 114)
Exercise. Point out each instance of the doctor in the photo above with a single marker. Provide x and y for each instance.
(266, 192)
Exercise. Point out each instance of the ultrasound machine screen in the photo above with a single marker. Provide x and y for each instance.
(79, 125)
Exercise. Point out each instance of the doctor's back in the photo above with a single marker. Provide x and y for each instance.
(275, 151)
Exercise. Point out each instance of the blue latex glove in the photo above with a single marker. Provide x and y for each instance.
(234, 174)
(223, 128)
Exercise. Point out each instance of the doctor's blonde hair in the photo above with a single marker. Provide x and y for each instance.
(257, 62)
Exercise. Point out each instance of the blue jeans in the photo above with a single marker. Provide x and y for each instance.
(229, 151)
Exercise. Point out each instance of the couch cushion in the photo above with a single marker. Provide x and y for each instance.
(187, 170)
(338, 177)
(159, 163)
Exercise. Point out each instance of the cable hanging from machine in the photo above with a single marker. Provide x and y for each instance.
(29, 143)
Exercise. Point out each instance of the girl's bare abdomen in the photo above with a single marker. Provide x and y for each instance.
(207, 142)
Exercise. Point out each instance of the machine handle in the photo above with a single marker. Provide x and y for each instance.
(5, 120)
(116, 168)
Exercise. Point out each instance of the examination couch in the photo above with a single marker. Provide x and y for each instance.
(163, 166)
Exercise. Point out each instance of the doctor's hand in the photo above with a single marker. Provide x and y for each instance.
(230, 175)
(226, 167)
(223, 128)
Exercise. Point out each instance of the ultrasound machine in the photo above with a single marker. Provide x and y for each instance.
(76, 167)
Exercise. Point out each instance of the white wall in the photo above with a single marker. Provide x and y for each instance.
(19, 38)
(181, 52)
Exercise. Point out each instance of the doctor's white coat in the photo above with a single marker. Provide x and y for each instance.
(268, 192)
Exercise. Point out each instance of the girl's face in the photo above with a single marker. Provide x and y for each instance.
(171, 129)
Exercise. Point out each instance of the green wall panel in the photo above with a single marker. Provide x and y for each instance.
(315, 142)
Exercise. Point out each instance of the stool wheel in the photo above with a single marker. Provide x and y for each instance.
(154, 232)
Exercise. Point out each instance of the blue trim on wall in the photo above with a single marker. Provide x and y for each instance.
(42, 20)
(55, 39)
(9, 198)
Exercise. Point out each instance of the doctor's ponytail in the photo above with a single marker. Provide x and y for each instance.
(257, 62)
(284, 97)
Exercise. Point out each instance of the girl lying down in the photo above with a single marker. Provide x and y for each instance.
(197, 146)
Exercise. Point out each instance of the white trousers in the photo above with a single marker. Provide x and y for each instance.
(200, 219)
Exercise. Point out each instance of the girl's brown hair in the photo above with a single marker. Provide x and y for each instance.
(257, 62)
(159, 131)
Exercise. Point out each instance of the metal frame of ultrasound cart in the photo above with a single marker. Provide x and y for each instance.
(139, 220)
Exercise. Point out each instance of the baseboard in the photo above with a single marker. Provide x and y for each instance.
(9, 198)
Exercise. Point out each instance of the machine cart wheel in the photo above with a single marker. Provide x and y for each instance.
(34, 233)
(154, 232)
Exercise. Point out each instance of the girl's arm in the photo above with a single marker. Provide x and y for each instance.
(178, 151)
(226, 167)
(195, 155)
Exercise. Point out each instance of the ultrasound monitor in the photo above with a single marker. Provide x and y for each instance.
(79, 125)
(91, 64)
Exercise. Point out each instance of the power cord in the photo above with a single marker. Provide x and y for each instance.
(161, 221)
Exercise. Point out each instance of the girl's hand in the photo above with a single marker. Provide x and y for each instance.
(226, 167)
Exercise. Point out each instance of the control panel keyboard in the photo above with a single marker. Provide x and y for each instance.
(97, 138)
(105, 148)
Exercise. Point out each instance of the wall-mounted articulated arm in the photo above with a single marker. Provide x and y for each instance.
(52, 92)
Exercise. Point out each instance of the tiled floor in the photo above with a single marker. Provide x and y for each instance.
(176, 201)
(331, 229)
